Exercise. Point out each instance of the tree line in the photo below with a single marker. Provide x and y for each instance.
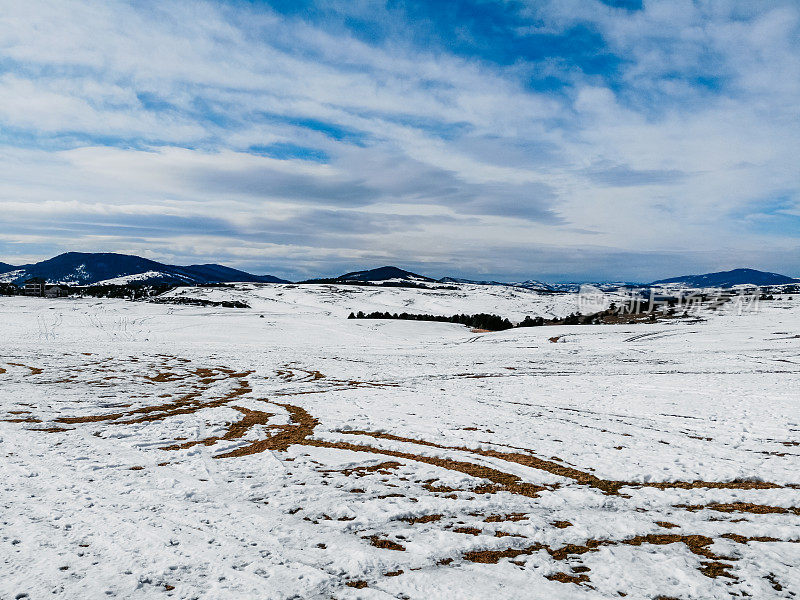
(491, 322)
(487, 321)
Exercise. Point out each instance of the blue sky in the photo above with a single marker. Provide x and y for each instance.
(568, 139)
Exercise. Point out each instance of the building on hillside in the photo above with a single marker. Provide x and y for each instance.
(34, 286)
(55, 291)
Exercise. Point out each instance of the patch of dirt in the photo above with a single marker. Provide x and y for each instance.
(187, 404)
(696, 544)
(561, 524)
(741, 507)
(716, 569)
(383, 468)
(736, 484)
(165, 377)
(581, 477)
(384, 543)
(421, 519)
(567, 578)
(235, 430)
(509, 517)
(505, 481)
(741, 539)
(394, 573)
(501, 534)
(297, 432)
(33, 370)
(468, 530)
(773, 581)
(494, 556)
(51, 429)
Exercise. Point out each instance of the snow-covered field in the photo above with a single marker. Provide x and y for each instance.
(284, 451)
(339, 300)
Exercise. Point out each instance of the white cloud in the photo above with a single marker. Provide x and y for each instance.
(144, 109)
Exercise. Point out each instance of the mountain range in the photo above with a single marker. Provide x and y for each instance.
(82, 268)
(726, 279)
(87, 268)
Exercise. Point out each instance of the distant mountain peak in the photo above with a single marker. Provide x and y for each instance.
(470, 281)
(726, 279)
(383, 274)
(89, 268)
(533, 284)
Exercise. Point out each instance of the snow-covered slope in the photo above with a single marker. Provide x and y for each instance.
(284, 451)
(727, 279)
(508, 301)
(147, 276)
(10, 276)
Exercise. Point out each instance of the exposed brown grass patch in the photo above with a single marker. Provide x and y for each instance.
(696, 544)
(505, 481)
(567, 578)
(580, 477)
(716, 569)
(468, 530)
(51, 429)
(508, 517)
(494, 556)
(164, 377)
(741, 507)
(741, 539)
(301, 427)
(33, 370)
(235, 430)
(187, 404)
(421, 519)
(384, 468)
(379, 542)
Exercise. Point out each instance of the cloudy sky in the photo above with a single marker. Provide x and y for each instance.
(564, 139)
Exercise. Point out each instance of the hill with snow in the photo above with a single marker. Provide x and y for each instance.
(90, 268)
(728, 279)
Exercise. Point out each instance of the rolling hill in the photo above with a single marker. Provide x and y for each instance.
(378, 275)
(90, 268)
(726, 279)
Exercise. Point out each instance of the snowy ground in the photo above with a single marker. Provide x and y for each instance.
(284, 451)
